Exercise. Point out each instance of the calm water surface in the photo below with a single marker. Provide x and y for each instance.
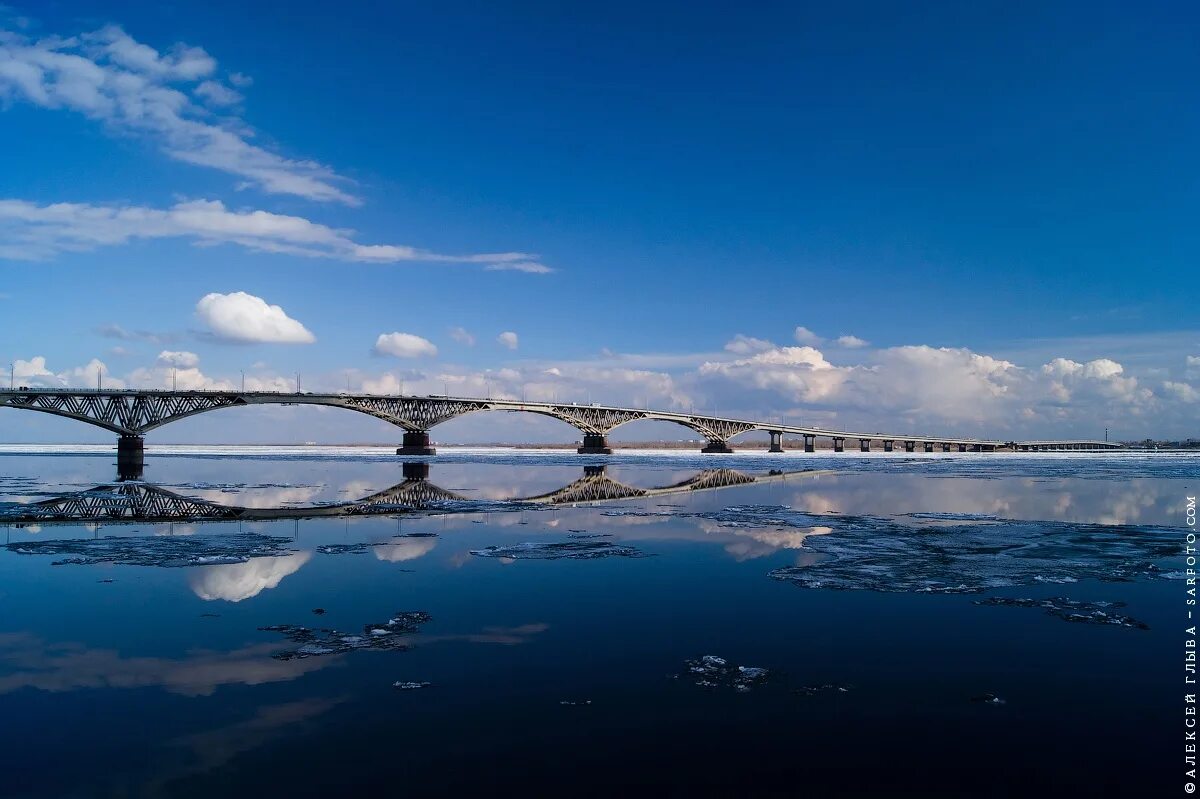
(567, 677)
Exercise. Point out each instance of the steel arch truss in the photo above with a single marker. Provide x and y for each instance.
(127, 414)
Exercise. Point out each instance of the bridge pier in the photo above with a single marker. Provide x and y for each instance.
(910, 446)
(864, 445)
(945, 447)
(888, 445)
(416, 442)
(962, 447)
(810, 443)
(776, 441)
(131, 457)
(717, 448)
(929, 446)
(595, 444)
(839, 445)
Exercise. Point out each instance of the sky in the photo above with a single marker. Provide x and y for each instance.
(972, 219)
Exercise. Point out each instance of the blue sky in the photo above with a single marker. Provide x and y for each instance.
(995, 204)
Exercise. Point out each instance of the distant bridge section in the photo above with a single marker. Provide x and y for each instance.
(132, 413)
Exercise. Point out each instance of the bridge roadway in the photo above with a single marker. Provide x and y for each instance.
(131, 413)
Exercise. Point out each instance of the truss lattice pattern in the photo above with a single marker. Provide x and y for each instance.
(126, 413)
(127, 501)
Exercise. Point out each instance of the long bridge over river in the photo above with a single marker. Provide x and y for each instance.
(133, 413)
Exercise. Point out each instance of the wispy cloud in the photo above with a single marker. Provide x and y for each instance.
(169, 98)
(34, 232)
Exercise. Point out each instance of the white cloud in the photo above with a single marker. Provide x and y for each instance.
(237, 581)
(216, 93)
(1182, 391)
(406, 549)
(461, 335)
(404, 345)
(851, 342)
(805, 336)
(37, 232)
(508, 339)
(744, 345)
(179, 360)
(245, 318)
(132, 88)
(529, 267)
(35, 372)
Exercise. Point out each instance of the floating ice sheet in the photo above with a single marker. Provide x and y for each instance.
(880, 554)
(587, 549)
(1072, 610)
(711, 671)
(163, 551)
(388, 636)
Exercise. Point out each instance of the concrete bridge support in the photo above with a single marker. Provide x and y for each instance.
(929, 446)
(839, 445)
(595, 444)
(864, 445)
(945, 447)
(810, 443)
(717, 448)
(888, 445)
(962, 447)
(416, 443)
(910, 446)
(131, 457)
(776, 441)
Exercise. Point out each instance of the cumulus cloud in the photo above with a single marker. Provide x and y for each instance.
(34, 372)
(1183, 392)
(508, 339)
(237, 581)
(404, 345)
(461, 335)
(242, 317)
(34, 232)
(851, 342)
(180, 360)
(134, 89)
(743, 345)
(805, 336)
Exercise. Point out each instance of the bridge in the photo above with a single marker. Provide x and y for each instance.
(133, 413)
(134, 501)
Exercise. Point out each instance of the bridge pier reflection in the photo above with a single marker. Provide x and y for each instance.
(131, 457)
(595, 444)
(416, 443)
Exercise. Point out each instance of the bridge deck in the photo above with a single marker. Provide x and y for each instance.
(133, 412)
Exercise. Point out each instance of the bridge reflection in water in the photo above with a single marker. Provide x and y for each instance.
(136, 501)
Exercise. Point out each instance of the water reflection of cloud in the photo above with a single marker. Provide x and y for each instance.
(760, 543)
(215, 748)
(405, 549)
(234, 582)
(55, 667)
